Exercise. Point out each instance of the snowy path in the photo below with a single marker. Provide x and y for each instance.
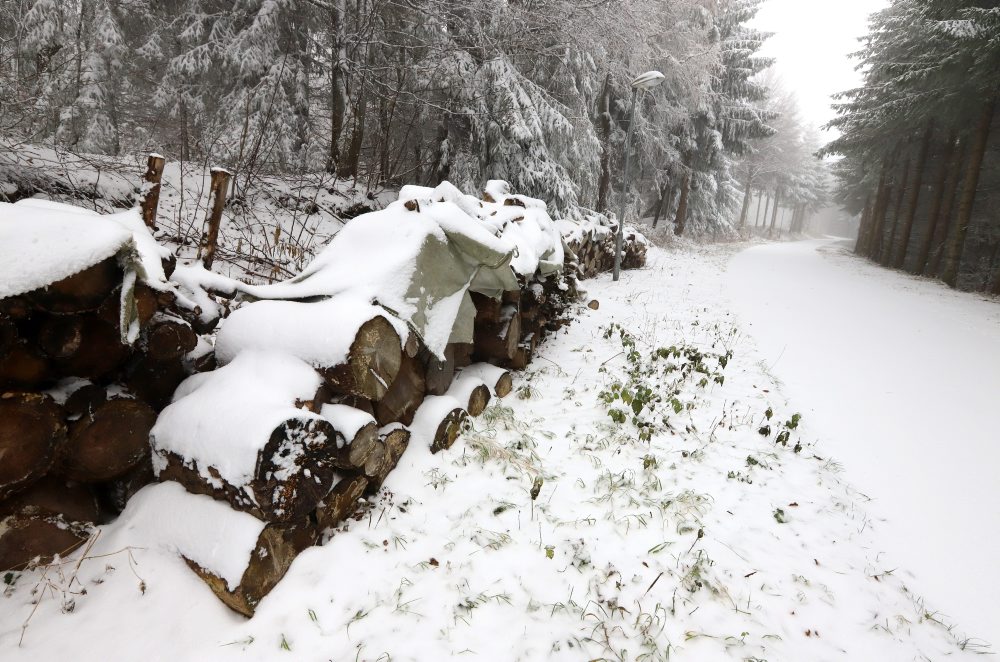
(707, 541)
(902, 378)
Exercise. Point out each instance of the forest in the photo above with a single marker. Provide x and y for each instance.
(391, 92)
(921, 142)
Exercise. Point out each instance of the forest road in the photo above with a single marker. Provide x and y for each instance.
(898, 379)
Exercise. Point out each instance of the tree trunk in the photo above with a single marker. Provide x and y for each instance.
(948, 210)
(937, 203)
(338, 81)
(864, 227)
(774, 212)
(746, 202)
(682, 206)
(902, 245)
(666, 199)
(151, 198)
(953, 258)
(767, 208)
(218, 190)
(604, 127)
(885, 252)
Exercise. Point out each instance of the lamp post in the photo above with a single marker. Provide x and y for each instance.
(646, 81)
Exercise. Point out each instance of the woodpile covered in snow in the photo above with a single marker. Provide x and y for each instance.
(591, 245)
(405, 325)
(93, 343)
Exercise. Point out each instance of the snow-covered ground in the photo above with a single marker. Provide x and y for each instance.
(552, 530)
(901, 377)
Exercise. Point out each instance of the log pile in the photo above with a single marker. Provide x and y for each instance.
(77, 402)
(303, 410)
(592, 244)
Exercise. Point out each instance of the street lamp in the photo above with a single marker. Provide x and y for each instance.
(646, 81)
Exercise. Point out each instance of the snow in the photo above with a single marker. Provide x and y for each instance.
(430, 413)
(319, 333)
(42, 244)
(488, 373)
(166, 517)
(462, 387)
(346, 420)
(455, 558)
(224, 418)
(902, 375)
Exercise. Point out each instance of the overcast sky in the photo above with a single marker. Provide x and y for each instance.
(812, 41)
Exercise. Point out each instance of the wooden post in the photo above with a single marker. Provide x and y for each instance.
(150, 200)
(217, 195)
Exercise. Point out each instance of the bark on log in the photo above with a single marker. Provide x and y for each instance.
(440, 372)
(108, 442)
(498, 341)
(276, 548)
(372, 363)
(294, 471)
(115, 494)
(81, 292)
(31, 432)
(341, 502)
(28, 538)
(405, 394)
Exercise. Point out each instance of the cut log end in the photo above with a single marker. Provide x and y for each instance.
(31, 430)
(479, 399)
(276, 548)
(448, 430)
(372, 363)
(108, 442)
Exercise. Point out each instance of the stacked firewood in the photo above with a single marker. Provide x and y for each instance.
(77, 403)
(302, 410)
(593, 246)
(297, 445)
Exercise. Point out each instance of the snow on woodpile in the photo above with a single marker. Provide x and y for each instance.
(591, 240)
(93, 341)
(235, 432)
(44, 242)
(403, 326)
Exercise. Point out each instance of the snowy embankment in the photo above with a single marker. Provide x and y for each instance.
(551, 531)
(902, 376)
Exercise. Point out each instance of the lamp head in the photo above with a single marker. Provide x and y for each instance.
(648, 80)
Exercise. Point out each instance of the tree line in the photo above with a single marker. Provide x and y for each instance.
(387, 92)
(921, 141)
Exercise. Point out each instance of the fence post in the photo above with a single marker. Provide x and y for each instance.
(151, 198)
(217, 195)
